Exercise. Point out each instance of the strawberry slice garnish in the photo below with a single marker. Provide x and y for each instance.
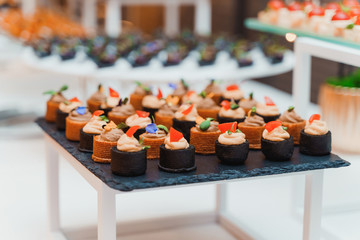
(275, 4)
(132, 130)
(232, 87)
(272, 125)
(224, 127)
(187, 111)
(314, 117)
(333, 6)
(142, 114)
(295, 6)
(75, 99)
(269, 102)
(226, 104)
(113, 93)
(340, 15)
(318, 11)
(98, 113)
(160, 95)
(175, 135)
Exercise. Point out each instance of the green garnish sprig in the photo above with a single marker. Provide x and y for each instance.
(104, 118)
(141, 142)
(122, 125)
(291, 108)
(52, 92)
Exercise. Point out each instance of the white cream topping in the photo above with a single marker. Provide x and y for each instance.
(135, 120)
(189, 117)
(181, 144)
(94, 126)
(128, 144)
(230, 113)
(266, 110)
(235, 138)
(67, 108)
(317, 127)
(276, 135)
(151, 101)
(233, 94)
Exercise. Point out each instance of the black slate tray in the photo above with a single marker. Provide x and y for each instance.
(208, 167)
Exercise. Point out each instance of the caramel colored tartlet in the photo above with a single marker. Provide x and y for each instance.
(294, 130)
(204, 140)
(136, 101)
(51, 108)
(154, 151)
(102, 150)
(74, 123)
(208, 113)
(253, 135)
(165, 120)
(93, 105)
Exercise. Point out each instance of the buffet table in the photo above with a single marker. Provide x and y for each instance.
(209, 171)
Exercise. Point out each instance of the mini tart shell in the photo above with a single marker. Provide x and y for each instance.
(269, 118)
(61, 119)
(232, 154)
(253, 135)
(208, 113)
(184, 127)
(86, 141)
(152, 111)
(136, 101)
(167, 121)
(128, 164)
(116, 118)
(227, 119)
(277, 151)
(204, 142)
(51, 108)
(73, 128)
(177, 161)
(294, 130)
(102, 150)
(154, 151)
(315, 145)
(93, 105)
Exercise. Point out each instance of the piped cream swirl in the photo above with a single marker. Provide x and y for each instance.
(151, 101)
(123, 110)
(230, 113)
(235, 138)
(233, 94)
(94, 126)
(128, 144)
(181, 144)
(317, 127)
(266, 110)
(189, 117)
(67, 108)
(135, 120)
(276, 135)
(77, 117)
(290, 117)
(110, 102)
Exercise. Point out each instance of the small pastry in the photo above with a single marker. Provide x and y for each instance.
(137, 96)
(268, 111)
(167, 111)
(180, 89)
(184, 119)
(204, 135)
(231, 147)
(76, 120)
(153, 137)
(176, 155)
(92, 128)
(110, 102)
(191, 97)
(104, 142)
(52, 105)
(340, 21)
(98, 98)
(152, 104)
(141, 119)
(206, 107)
(128, 157)
(315, 138)
(276, 143)
(214, 89)
(272, 12)
(253, 127)
(248, 103)
(230, 112)
(293, 122)
(232, 92)
(64, 109)
(121, 112)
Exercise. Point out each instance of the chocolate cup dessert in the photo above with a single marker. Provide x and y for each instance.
(184, 127)
(227, 119)
(315, 145)
(277, 151)
(235, 100)
(232, 154)
(86, 141)
(137, 133)
(269, 118)
(152, 111)
(177, 161)
(61, 119)
(106, 110)
(128, 164)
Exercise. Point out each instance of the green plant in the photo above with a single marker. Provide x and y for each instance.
(352, 80)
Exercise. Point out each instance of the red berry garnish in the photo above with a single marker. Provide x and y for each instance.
(295, 6)
(351, 3)
(75, 99)
(333, 6)
(357, 22)
(132, 130)
(272, 125)
(232, 87)
(231, 126)
(355, 11)
(175, 135)
(160, 95)
(98, 113)
(189, 93)
(340, 15)
(142, 114)
(226, 104)
(113, 93)
(187, 111)
(269, 102)
(314, 117)
(275, 4)
(318, 11)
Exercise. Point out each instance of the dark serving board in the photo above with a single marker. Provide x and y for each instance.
(208, 167)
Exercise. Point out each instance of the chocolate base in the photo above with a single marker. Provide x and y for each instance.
(227, 119)
(61, 119)
(232, 154)
(106, 110)
(244, 62)
(176, 161)
(236, 101)
(86, 141)
(152, 111)
(277, 151)
(269, 118)
(128, 164)
(184, 127)
(315, 145)
(137, 133)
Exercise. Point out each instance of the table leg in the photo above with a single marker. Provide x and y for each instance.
(106, 213)
(313, 205)
(52, 174)
(221, 198)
